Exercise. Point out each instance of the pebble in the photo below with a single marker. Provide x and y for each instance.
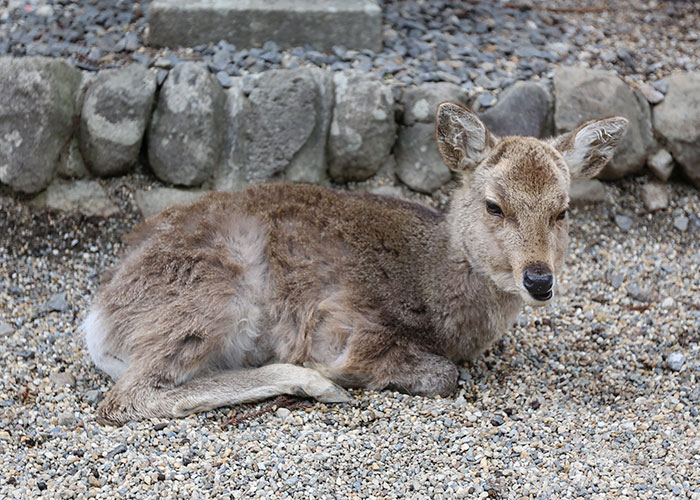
(66, 419)
(675, 361)
(668, 303)
(681, 223)
(661, 86)
(5, 329)
(57, 303)
(44, 11)
(654, 196)
(283, 412)
(661, 164)
(624, 222)
(487, 100)
(165, 62)
(63, 379)
(117, 451)
(224, 79)
(637, 293)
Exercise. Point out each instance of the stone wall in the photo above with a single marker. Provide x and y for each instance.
(304, 124)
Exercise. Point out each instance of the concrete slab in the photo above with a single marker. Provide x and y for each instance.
(356, 24)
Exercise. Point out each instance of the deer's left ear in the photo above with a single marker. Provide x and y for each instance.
(591, 146)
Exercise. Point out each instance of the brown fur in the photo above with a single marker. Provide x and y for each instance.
(221, 302)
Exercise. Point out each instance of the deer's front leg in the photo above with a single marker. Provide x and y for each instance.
(424, 374)
(404, 368)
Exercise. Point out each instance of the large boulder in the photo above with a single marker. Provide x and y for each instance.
(187, 128)
(37, 112)
(363, 128)
(309, 164)
(114, 117)
(277, 128)
(525, 109)
(677, 121)
(418, 162)
(585, 94)
(420, 103)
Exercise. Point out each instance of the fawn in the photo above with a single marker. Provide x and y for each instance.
(299, 289)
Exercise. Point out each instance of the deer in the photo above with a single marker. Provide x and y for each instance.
(295, 289)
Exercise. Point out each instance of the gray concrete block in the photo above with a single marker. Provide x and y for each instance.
(356, 24)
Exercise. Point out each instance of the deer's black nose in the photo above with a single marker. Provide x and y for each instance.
(538, 281)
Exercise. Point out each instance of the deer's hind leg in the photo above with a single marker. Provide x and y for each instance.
(209, 357)
(185, 311)
(135, 397)
(197, 349)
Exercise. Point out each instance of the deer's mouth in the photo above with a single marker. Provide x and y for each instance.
(542, 297)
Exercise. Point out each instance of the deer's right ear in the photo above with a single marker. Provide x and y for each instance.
(463, 140)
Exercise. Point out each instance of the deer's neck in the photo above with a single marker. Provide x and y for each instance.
(470, 311)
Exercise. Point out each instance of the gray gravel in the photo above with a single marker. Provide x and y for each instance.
(481, 45)
(595, 396)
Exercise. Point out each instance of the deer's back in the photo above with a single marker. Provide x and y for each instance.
(298, 256)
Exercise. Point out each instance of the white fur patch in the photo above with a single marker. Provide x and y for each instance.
(96, 332)
(246, 241)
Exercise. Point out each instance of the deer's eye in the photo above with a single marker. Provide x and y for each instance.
(562, 214)
(494, 209)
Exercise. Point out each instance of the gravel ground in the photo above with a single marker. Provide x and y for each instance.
(481, 45)
(595, 396)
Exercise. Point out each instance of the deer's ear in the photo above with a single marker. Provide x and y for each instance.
(591, 146)
(463, 140)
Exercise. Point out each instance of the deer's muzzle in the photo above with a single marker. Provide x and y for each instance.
(538, 281)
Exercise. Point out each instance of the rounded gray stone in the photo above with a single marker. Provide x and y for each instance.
(681, 223)
(661, 164)
(115, 113)
(420, 103)
(524, 109)
(37, 108)
(363, 129)
(87, 197)
(418, 162)
(677, 121)
(187, 126)
(63, 379)
(286, 116)
(624, 222)
(585, 94)
(6, 329)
